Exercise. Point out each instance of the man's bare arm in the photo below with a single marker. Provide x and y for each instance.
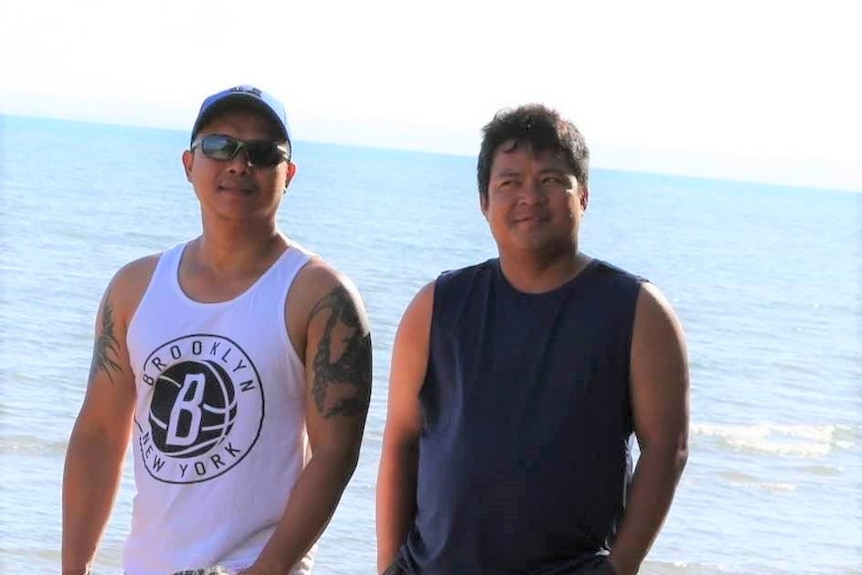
(660, 405)
(396, 480)
(100, 436)
(337, 357)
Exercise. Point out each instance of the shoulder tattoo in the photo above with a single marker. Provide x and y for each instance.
(342, 361)
(106, 349)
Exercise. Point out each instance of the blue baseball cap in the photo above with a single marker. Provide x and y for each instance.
(244, 95)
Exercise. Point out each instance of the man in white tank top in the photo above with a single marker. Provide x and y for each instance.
(238, 367)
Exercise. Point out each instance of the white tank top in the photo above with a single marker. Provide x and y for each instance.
(219, 438)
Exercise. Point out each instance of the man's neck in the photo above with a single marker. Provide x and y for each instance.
(529, 272)
(230, 252)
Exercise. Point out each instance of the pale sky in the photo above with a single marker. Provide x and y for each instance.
(741, 89)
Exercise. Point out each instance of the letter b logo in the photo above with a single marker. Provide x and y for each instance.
(193, 408)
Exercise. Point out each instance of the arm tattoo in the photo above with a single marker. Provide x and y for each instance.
(106, 348)
(342, 379)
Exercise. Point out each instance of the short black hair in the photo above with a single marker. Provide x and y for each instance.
(541, 127)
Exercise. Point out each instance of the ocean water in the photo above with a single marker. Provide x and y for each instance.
(765, 279)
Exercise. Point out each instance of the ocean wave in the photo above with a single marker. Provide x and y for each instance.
(654, 567)
(780, 439)
(740, 478)
(823, 470)
(29, 445)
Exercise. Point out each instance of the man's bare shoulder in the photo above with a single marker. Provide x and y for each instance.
(128, 285)
(139, 270)
(318, 273)
(319, 279)
(425, 295)
(653, 307)
(421, 306)
(320, 290)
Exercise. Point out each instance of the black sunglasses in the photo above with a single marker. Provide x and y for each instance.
(262, 153)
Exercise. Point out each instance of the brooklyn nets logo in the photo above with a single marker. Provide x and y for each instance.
(206, 409)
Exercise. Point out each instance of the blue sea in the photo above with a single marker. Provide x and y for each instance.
(765, 279)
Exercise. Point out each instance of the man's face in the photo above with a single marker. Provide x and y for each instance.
(534, 203)
(235, 188)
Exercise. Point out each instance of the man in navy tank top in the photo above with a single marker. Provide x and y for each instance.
(519, 384)
(238, 366)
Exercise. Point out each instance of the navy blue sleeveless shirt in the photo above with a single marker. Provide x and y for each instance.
(524, 454)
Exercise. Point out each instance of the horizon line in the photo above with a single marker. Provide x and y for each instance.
(655, 154)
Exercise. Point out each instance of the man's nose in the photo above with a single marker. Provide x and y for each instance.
(240, 163)
(533, 191)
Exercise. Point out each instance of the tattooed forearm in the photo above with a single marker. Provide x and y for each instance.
(106, 348)
(342, 363)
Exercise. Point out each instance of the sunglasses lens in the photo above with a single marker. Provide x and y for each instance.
(263, 154)
(219, 147)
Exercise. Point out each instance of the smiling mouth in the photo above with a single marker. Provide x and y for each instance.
(236, 190)
(531, 220)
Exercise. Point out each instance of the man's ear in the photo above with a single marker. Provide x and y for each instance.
(291, 171)
(188, 162)
(483, 204)
(584, 198)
